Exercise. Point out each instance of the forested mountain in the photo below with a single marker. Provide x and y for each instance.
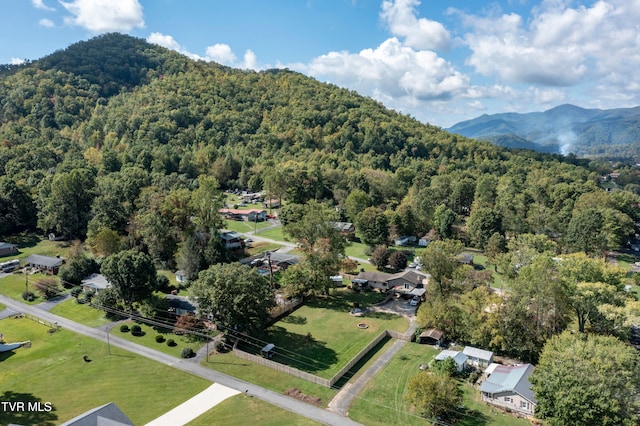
(118, 137)
(611, 133)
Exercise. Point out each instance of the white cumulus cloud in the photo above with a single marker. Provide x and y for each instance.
(391, 70)
(17, 61)
(100, 16)
(220, 53)
(418, 33)
(169, 42)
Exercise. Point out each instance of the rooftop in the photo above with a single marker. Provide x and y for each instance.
(506, 378)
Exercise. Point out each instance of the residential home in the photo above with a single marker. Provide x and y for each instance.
(181, 276)
(47, 264)
(458, 357)
(249, 215)
(108, 414)
(409, 282)
(424, 241)
(95, 283)
(180, 305)
(478, 357)
(271, 204)
(232, 240)
(508, 387)
(466, 258)
(431, 336)
(7, 249)
(347, 229)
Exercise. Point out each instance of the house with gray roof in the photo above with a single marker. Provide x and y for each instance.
(458, 357)
(95, 283)
(478, 357)
(508, 387)
(105, 415)
(409, 282)
(7, 249)
(47, 264)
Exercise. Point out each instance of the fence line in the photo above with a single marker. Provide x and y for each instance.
(357, 358)
(51, 325)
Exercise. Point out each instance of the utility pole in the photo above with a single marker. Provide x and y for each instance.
(108, 343)
(270, 269)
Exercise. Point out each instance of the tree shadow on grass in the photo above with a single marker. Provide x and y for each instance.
(466, 417)
(294, 319)
(380, 315)
(24, 240)
(26, 409)
(299, 351)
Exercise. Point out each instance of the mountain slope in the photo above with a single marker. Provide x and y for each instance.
(563, 129)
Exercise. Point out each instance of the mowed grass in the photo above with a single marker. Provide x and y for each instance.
(322, 336)
(266, 377)
(80, 312)
(29, 244)
(245, 226)
(243, 410)
(383, 401)
(14, 285)
(52, 370)
(148, 339)
(274, 234)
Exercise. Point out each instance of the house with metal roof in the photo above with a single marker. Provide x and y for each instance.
(508, 387)
(409, 282)
(458, 357)
(478, 357)
(95, 283)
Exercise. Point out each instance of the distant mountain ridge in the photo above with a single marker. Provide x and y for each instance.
(564, 129)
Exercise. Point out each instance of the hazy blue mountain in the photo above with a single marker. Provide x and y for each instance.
(563, 129)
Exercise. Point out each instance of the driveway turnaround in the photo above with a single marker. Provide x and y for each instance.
(194, 407)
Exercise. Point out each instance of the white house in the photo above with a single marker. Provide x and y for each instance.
(95, 283)
(478, 357)
(459, 358)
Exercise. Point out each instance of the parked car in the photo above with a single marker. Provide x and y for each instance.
(248, 240)
(414, 301)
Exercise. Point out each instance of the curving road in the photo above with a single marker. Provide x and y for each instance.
(314, 413)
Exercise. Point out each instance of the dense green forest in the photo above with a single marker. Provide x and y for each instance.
(115, 136)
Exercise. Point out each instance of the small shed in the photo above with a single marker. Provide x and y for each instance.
(95, 283)
(431, 336)
(181, 276)
(458, 357)
(268, 351)
(478, 357)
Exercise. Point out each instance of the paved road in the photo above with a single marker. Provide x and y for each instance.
(318, 414)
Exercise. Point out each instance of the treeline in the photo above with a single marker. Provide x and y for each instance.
(115, 136)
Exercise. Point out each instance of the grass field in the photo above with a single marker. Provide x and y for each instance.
(383, 400)
(322, 336)
(242, 226)
(29, 244)
(274, 234)
(243, 410)
(52, 370)
(14, 285)
(266, 377)
(148, 339)
(79, 312)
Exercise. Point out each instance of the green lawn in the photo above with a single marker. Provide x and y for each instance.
(243, 410)
(383, 400)
(29, 244)
(14, 285)
(52, 370)
(79, 312)
(273, 233)
(356, 249)
(148, 339)
(322, 336)
(266, 377)
(242, 226)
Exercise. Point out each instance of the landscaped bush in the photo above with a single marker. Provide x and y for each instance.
(187, 353)
(159, 338)
(170, 342)
(136, 330)
(28, 296)
(124, 328)
(75, 292)
(220, 347)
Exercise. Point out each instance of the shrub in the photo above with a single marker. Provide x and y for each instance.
(219, 346)
(136, 330)
(187, 353)
(124, 328)
(170, 342)
(28, 296)
(75, 292)
(159, 338)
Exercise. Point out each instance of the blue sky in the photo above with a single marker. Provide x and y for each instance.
(439, 61)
